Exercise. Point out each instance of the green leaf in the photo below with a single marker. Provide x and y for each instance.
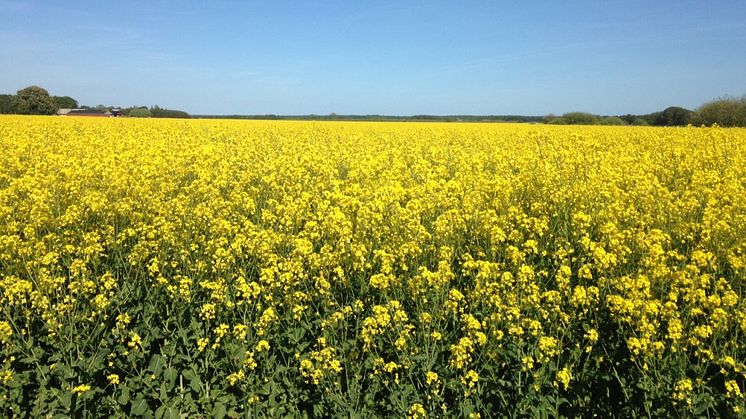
(139, 407)
(172, 413)
(266, 389)
(219, 411)
(170, 374)
(124, 396)
(66, 399)
(167, 412)
(157, 362)
(195, 383)
(188, 374)
(163, 391)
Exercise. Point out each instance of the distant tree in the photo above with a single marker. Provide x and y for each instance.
(726, 112)
(64, 102)
(139, 113)
(612, 120)
(580, 118)
(158, 112)
(640, 122)
(101, 108)
(672, 116)
(629, 119)
(34, 100)
(652, 118)
(7, 104)
(548, 118)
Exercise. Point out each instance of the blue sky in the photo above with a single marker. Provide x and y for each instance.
(383, 57)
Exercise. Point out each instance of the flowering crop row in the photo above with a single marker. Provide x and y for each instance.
(243, 268)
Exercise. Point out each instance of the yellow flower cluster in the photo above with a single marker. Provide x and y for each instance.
(322, 362)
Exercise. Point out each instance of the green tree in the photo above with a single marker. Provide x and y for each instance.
(64, 102)
(158, 112)
(139, 113)
(580, 118)
(548, 118)
(672, 116)
(34, 100)
(7, 104)
(612, 120)
(726, 112)
(629, 118)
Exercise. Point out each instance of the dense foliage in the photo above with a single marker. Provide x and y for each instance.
(141, 112)
(7, 104)
(168, 268)
(34, 100)
(726, 112)
(64, 102)
(386, 118)
(158, 112)
(669, 117)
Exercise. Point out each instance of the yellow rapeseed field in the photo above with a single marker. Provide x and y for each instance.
(243, 268)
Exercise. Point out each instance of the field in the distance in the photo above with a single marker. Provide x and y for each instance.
(167, 267)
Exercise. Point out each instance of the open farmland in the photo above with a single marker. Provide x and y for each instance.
(165, 267)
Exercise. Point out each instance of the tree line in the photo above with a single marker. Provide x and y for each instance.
(35, 100)
(154, 112)
(725, 112)
(382, 118)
